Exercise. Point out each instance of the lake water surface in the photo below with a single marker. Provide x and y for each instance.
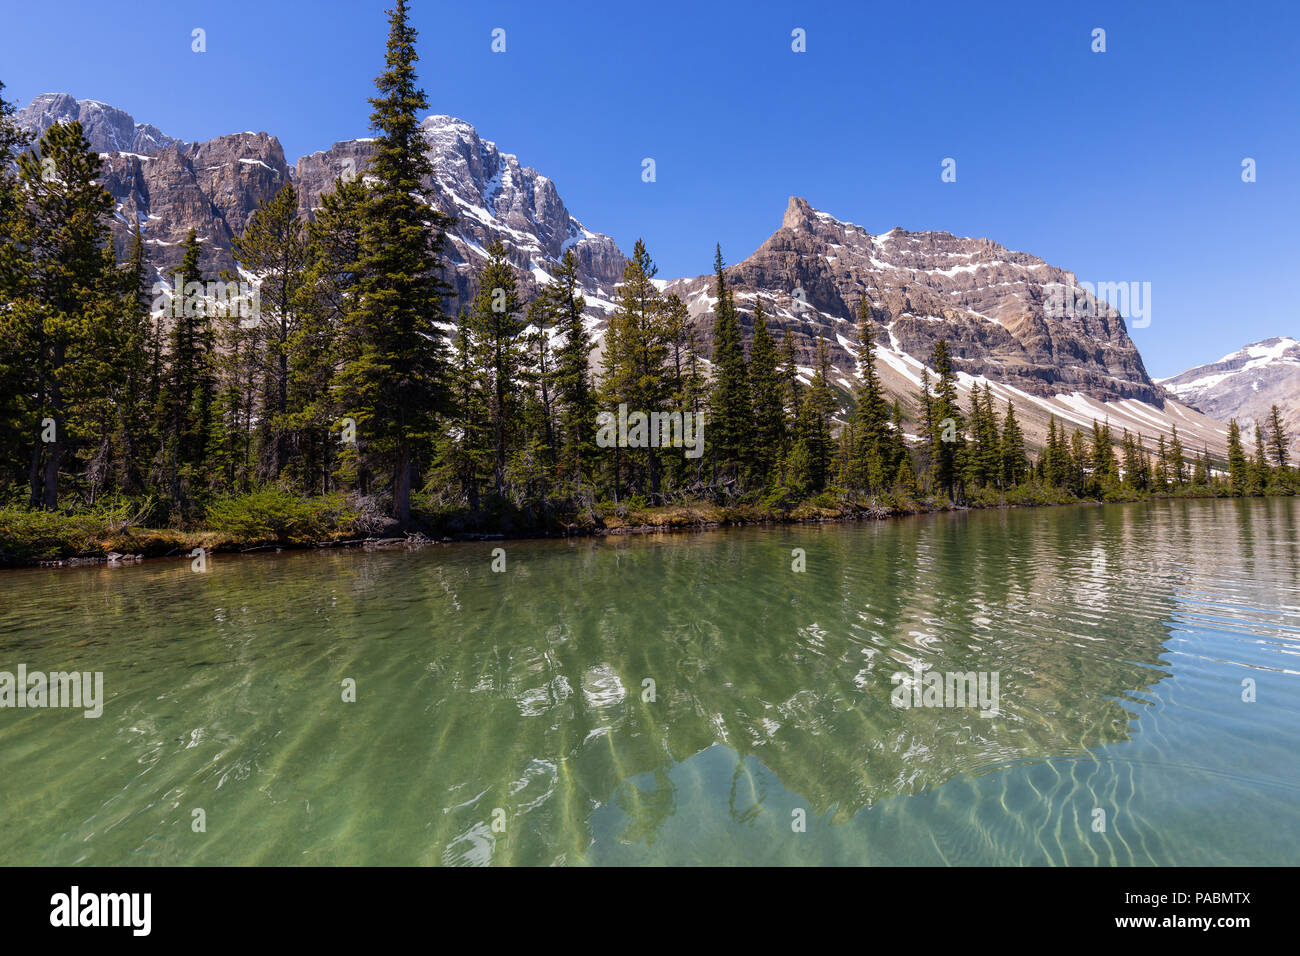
(506, 717)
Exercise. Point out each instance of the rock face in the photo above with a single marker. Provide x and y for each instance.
(491, 196)
(107, 129)
(212, 187)
(167, 185)
(986, 300)
(1245, 385)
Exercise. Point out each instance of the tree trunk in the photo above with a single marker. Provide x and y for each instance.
(402, 488)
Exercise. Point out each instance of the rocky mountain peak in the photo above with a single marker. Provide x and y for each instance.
(798, 214)
(1245, 385)
(986, 300)
(107, 129)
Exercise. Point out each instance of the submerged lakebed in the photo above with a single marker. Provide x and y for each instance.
(686, 698)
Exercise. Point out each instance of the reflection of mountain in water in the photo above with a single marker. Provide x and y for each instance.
(794, 669)
(523, 691)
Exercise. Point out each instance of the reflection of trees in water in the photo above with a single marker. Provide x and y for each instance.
(470, 680)
(794, 669)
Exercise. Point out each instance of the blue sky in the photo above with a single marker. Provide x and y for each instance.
(1121, 166)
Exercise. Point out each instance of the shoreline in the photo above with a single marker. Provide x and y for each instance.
(155, 544)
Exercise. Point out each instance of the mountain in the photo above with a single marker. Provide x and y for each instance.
(107, 129)
(170, 186)
(986, 300)
(491, 197)
(1245, 384)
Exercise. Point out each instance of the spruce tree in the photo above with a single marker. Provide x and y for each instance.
(731, 419)
(574, 389)
(1011, 454)
(636, 350)
(393, 381)
(16, 392)
(138, 361)
(72, 296)
(1261, 472)
(187, 403)
(467, 453)
(1162, 465)
(946, 438)
(1277, 440)
(274, 247)
(326, 445)
(872, 463)
(497, 350)
(814, 448)
(1238, 466)
(1177, 460)
(765, 391)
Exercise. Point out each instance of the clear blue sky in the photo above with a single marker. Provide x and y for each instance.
(1122, 166)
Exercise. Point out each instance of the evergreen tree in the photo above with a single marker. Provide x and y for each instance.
(946, 438)
(1056, 456)
(636, 351)
(1105, 469)
(1261, 472)
(1162, 476)
(872, 459)
(320, 344)
(16, 391)
(467, 449)
(731, 418)
(982, 463)
(187, 403)
(1014, 463)
(1200, 470)
(393, 381)
(1080, 459)
(138, 369)
(765, 393)
(574, 390)
(240, 380)
(814, 448)
(532, 459)
(792, 388)
(1177, 460)
(1277, 440)
(496, 348)
(1238, 466)
(274, 247)
(72, 293)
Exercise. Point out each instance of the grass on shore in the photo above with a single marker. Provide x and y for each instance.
(271, 517)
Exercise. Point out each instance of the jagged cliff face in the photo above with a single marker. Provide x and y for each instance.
(492, 197)
(107, 129)
(170, 186)
(986, 300)
(1245, 385)
(212, 187)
